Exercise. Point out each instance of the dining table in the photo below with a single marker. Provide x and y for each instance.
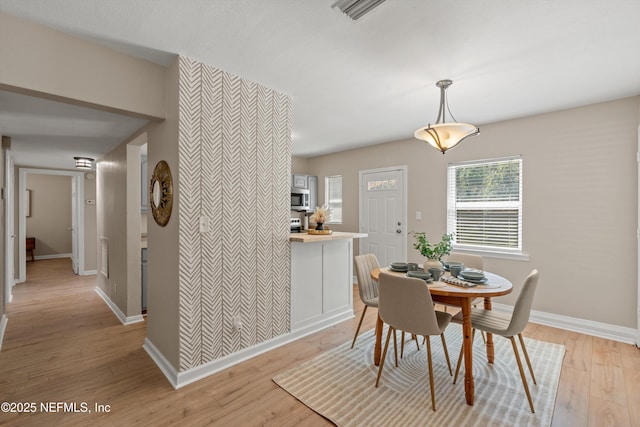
(463, 297)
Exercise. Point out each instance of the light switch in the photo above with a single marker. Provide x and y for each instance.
(418, 215)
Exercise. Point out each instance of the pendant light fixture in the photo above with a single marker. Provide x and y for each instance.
(443, 135)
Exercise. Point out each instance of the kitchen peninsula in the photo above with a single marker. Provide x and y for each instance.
(321, 280)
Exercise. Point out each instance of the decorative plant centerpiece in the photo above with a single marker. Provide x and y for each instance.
(433, 253)
(320, 216)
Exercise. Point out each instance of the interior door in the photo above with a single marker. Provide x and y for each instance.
(74, 225)
(383, 214)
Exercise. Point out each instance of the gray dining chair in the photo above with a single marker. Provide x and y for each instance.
(367, 287)
(368, 290)
(508, 327)
(405, 304)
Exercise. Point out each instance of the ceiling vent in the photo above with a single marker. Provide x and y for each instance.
(356, 9)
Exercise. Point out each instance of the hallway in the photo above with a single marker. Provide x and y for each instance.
(63, 344)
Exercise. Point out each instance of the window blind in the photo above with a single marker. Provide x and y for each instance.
(333, 196)
(484, 204)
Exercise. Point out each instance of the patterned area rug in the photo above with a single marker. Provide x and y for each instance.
(339, 385)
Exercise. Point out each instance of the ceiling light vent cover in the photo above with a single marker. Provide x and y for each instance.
(356, 9)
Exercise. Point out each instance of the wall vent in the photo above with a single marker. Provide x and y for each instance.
(356, 9)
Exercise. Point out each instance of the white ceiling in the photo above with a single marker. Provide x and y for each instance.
(355, 83)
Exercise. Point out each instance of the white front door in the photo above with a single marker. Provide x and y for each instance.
(383, 213)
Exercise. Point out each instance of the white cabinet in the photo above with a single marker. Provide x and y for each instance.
(299, 181)
(321, 284)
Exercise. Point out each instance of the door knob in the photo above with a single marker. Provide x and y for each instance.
(398, 231)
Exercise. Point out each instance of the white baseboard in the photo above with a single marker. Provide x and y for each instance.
(165, 366)
(90, 272)
(119, 314)
(39, 257)
(181, 379)
(588, 327)
(3, 327)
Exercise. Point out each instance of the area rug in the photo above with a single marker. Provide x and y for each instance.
(340, 385)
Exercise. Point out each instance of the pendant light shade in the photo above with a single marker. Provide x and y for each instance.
(443, 135)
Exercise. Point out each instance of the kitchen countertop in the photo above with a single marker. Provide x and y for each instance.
(311, 238)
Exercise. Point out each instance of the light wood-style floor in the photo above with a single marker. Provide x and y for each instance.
(63, 344)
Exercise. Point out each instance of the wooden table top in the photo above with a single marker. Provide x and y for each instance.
(496, 286)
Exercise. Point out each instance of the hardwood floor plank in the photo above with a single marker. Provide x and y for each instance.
(63, 344)
(607, 383)
(572, 401)
(603, 413)
(632, 388)
(606, 352)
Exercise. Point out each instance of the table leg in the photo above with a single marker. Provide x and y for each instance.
(468, 350)
(490, 352)
(377, 350)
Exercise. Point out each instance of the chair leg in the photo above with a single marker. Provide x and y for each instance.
(446, 353)
(524, 380)
(431, 386)
(526, 357)
(359, 324)
(395, 346)
(413, 337)
(384, 356)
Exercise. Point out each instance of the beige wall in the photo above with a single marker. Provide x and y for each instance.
(41, 61)
(111, 223)
(299, 165)
(580, 201)
(50, 218)
(162, 242)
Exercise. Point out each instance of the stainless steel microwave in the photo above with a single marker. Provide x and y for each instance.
(299, 199)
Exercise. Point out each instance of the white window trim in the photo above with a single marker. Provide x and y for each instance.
(511, 254)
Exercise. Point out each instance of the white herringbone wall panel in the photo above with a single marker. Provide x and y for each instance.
(234, 168)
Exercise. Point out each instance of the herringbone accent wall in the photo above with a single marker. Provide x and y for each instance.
(234, 169)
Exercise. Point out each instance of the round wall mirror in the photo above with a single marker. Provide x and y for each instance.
(161, 193)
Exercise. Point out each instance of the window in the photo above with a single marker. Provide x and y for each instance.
(484, 205)
(333, 197)
(387, 184)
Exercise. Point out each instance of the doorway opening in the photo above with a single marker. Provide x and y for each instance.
(77, 229)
